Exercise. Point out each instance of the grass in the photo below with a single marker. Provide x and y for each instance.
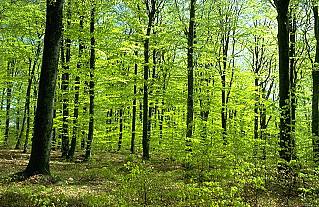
(120, 179)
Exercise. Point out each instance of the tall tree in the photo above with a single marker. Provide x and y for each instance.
(91, 85)
(65, 86)
(151, 10)
(39, 162)
(315, 91)
(286, 142)
(190, 76)
(76, 95)
(9, 95)
(134, 108)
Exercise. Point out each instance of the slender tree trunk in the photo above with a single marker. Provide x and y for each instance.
(315, 94)
(8, 104)
(65, 88)
(146, 122)
(91, 91)
(28, 96)
(225, 42)
(121, 112)
(256, 109)
(293, 78)
(286, 145)
(134, 109)
(39, 162)
(18, 116)
(190, 77)
(26, 142)
(76, 98)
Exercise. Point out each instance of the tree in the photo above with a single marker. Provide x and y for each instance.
(65, 86)
(190, 76)
(315, 91)
(91, 86)
(39, 162)
(286, 142)
(151, 10)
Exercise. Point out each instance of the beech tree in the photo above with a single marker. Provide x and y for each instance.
(39, 162)
(190, 75)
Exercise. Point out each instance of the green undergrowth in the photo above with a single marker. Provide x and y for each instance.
(113, 179)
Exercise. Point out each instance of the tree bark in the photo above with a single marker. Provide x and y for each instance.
(286, 145)
(65, 88)
(91, 86)
(134, 109)
(293, 79)
(39, 162)
(315, 92)
(146, 127)
(121, 112)
(76, 97)
(8, 103)
(190, 77)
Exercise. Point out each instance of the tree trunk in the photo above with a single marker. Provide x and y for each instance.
(293, 78)
(91, 91)
(8, 103)
(190, 77)
(315, 93)
(146, 127)
(286, 145)
(39, 162)
(121, 112)
(76, 98)
(134, 109)
(65, 88)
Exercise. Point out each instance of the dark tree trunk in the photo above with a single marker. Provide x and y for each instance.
(8, 103)
(26, 142)
(190, 77)
(65, 88)
(293, 79)
(225, 43)
(76, 98)
(91, 91)
(39, 162)
(121, 112)
(161, 122)
(134, 109)
(28, 95)
(256, 109)
(315, 93)
(146, 122)
(18, 144)
(286, 145)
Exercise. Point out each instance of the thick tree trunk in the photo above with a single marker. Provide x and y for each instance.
(91, 91)
(286, 145)
(190, 77)
(39, 162)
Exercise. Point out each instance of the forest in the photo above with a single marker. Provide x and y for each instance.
(159, 103)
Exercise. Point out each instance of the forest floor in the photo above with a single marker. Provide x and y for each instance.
(119, 179)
